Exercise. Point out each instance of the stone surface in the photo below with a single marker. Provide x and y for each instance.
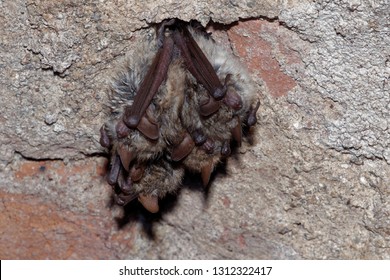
(314, 184)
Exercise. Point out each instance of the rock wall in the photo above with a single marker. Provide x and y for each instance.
(315, 184)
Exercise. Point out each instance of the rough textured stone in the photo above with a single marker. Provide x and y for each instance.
(314, 184)
(349, 65)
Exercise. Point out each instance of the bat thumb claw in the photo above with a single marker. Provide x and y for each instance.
(131, 121)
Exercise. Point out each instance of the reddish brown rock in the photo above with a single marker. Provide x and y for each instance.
(256, 52)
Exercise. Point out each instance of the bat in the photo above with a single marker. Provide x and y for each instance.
(176, 105)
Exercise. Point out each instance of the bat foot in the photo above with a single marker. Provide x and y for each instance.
(208, 146)
(198, 137)
(225, 149)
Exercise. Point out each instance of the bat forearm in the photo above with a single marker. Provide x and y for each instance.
(150, 85)
(198, 64)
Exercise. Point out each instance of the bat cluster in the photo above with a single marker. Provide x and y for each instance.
(176, 106)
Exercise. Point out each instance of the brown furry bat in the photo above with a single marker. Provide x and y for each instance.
(175, 107)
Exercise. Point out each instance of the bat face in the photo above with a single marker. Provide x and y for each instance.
(175, 106)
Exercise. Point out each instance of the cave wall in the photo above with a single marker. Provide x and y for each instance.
(314, 184)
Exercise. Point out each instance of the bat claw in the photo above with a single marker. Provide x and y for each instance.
(208, 146)
(219, 93)
(123, 199)
(237, 132)
(131, 121)
(206, 173)
(125, 155)
(112, 177)
(183, 149)
(149, 202)
(161, 31)
(198, 137)
(225, 149)
(233, 100)
(119, 200)
(122, 130)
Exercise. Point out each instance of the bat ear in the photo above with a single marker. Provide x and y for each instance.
(150, 202)
(136, 172)
(149, 129)
(125, 155)
(206, 173)
(183, 149)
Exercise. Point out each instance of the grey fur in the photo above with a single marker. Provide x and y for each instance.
(176, 109)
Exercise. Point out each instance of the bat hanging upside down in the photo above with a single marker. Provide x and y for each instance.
(176, 107)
